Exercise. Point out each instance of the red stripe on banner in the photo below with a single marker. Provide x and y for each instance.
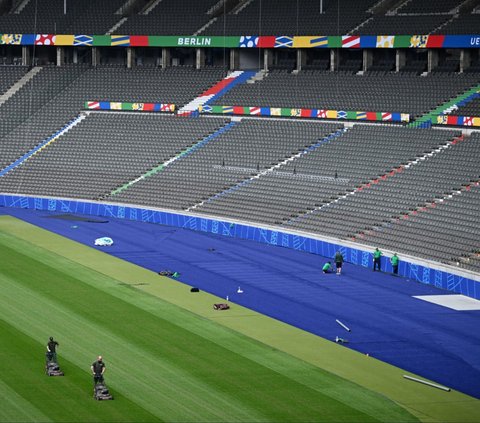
(238, 110)
(354, 38)
(435, 41)
(266, 42)
(452, 120)
(218, 87)
(139, 40)
(306, 112)
(371, 116)
(148, 107)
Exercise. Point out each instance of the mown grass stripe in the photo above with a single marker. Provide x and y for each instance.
(42, 398)
(429, 405)
(138, 374)
(14, 407)
(299, 371)
(192, 379)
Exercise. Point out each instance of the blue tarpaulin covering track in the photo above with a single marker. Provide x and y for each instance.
(433, 341)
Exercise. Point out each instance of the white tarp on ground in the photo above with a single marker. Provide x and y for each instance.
(104, 241)
(455, 302)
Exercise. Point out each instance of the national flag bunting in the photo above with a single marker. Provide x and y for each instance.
(283, 41)
(385, 41)
(275, 111)
(386, 116)
(120, 40)
(319, 42)
(321, 113)
(11, 39)
(248, 41)
(350, 41)
(82, 40)
(45, 40)
(418, 41)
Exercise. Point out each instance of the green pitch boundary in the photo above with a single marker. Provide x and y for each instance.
(426, 403)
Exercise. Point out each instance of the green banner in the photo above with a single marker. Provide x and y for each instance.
(102, 41)
(401, 41)
(190, 41)
(335, 41)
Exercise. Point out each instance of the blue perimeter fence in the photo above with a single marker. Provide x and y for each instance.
(438, 278)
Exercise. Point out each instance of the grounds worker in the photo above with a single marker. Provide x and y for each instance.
(98, 369)
(394, 262)
(338, 262)
(327, 267)
(52, 349)
(377, 256)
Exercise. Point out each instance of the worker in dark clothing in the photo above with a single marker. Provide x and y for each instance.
(377, 256)
(338, 262)
(52, 349)
(98, 369)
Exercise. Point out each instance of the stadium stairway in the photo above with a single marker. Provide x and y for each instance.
(217, 91)
(430, 118)
(44, 144)
(19, 84)
(418, 209)
(376, 180)
(179, 156)
(276, 166)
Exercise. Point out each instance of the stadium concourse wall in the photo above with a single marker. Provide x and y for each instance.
(422, 271)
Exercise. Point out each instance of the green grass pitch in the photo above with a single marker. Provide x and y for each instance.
(169, 356)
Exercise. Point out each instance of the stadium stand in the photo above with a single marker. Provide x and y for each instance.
(34, 95)
(250, 145)
(297, 174)
(463, 24)
(439, 6)
(399, 92)
(271, 17)
(47, 17)
(59, 94)
(399, 24)
(105, 151)
(324, 175)
(472, 108)
(9, 75)
(169, 17)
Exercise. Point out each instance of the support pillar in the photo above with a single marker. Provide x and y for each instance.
(367, 59)
(432, 60)
(75, 56)
(166, 58)
(200, 58)
(26, 56)
(60, 56)
(234, 59)
(400, 60)
(334, 59)
(95, 56)
(130, 58)
(465, 59)
(267, 59)
(301, 59)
